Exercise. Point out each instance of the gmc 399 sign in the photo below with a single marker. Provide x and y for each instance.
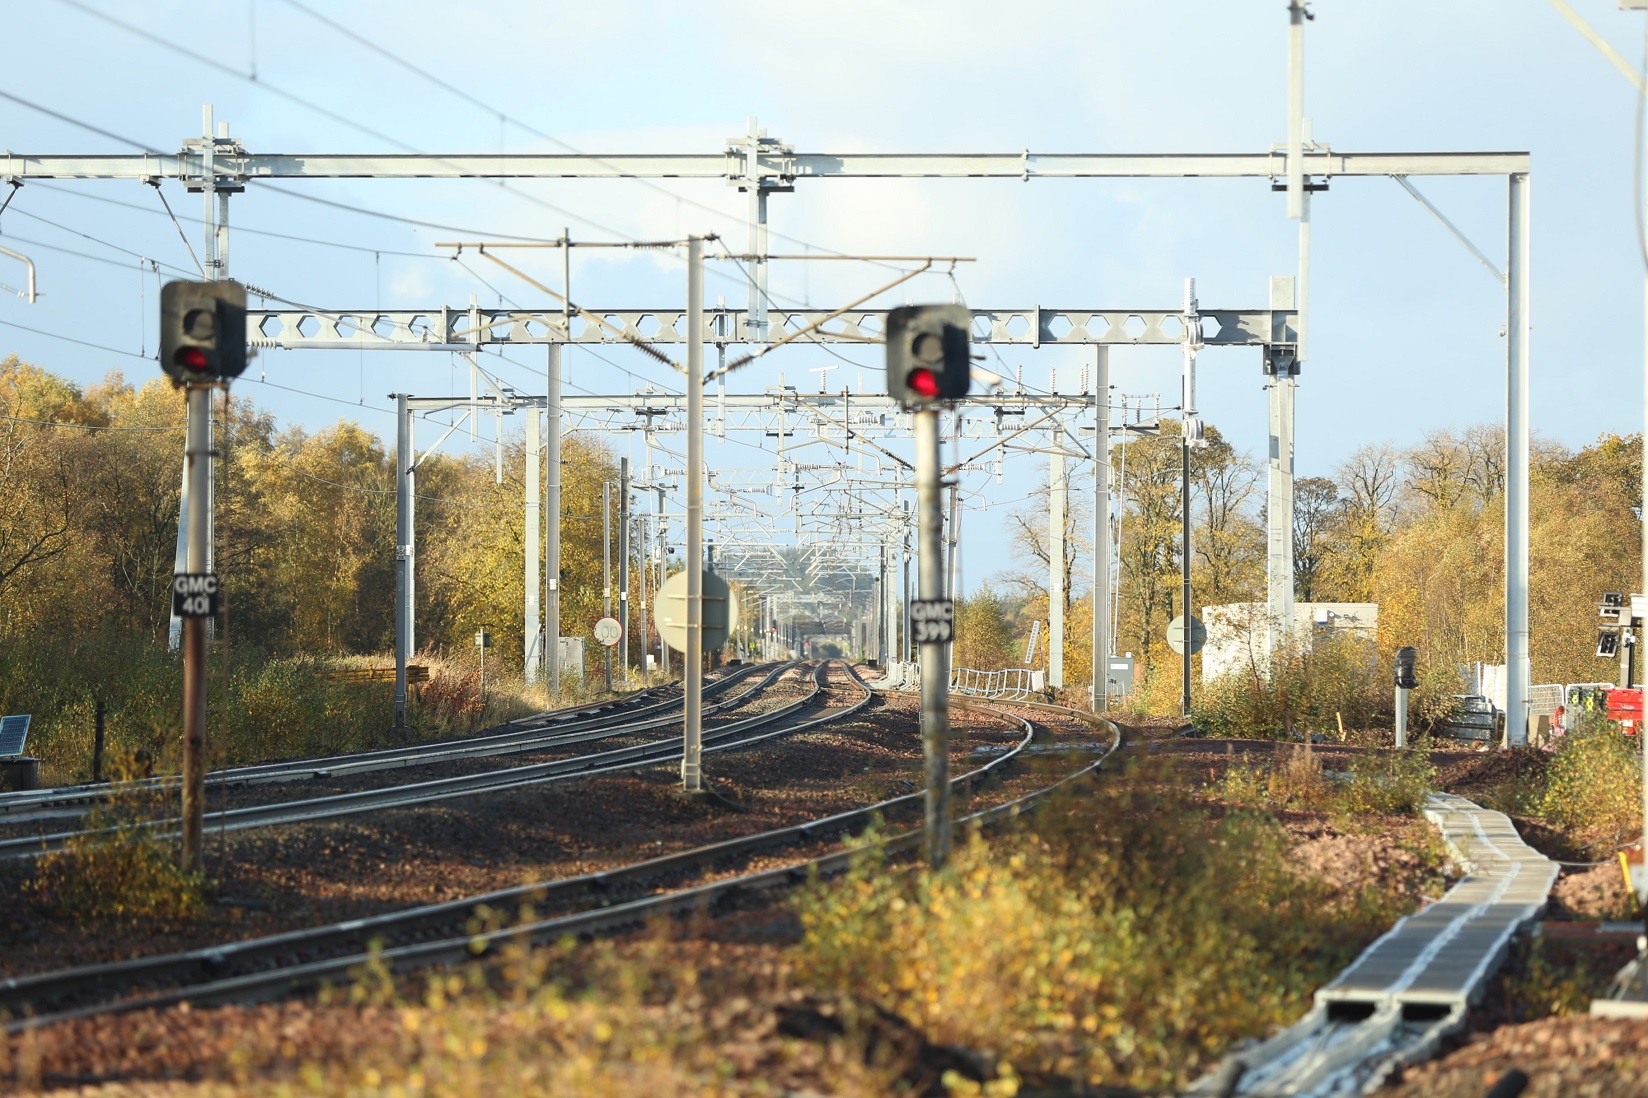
(931, 620)
(194, 594)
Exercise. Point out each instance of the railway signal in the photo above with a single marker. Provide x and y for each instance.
(929, 362)
(928, 356)
(202, 344)
(203, 331)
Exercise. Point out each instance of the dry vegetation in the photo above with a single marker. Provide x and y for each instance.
(1125, 939)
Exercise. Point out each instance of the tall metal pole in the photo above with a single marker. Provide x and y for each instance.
(1184, 567)
(623, 563)
(532, 621)
(692, 778)
(1191, 432)
(1101, 531)
(955, 520)
(641, 576)
(197, 520)
(1279, 487)
(552, 504)
(198, 463)
(881, 607)
(403, 552)
(1296, 109)
(606, 568)
(1057, 505)
(906, 634)
(1517, 667)
(1279, 504)
(935, 658)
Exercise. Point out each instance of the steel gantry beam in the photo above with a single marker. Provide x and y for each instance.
(465, 329)
(773, 165)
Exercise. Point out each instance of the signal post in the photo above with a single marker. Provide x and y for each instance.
(202, 346)
(928, 364)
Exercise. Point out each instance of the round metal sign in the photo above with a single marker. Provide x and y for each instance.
(1176, 638)
(609, 631)
(720, 611)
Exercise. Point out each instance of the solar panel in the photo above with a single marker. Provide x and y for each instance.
(13, 731)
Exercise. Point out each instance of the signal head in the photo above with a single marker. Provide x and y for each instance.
(928, 357)
(203, 330)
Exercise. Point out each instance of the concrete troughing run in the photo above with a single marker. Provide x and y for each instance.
(1413, 986)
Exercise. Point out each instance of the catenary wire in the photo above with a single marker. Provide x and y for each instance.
(61, 117)
(239, 229)
(527, 127)
(71, 339)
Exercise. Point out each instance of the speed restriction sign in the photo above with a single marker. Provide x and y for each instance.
(608, 631)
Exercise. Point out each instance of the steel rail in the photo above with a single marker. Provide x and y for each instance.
(416, 794)
(585, 716)
(21, 807)
(208, 965)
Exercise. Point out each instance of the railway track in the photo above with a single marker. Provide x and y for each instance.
(717, 737)
(520, 736)
(450, 932)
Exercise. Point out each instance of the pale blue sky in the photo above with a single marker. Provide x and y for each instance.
(1405, 327)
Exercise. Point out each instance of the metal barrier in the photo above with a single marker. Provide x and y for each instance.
(1543, 700)
(1014, 682)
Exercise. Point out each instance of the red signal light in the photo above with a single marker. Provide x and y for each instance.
(923, 382)
(192, 358)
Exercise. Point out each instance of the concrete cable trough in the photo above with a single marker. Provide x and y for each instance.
(1413, 986)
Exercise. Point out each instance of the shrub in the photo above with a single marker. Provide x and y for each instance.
(1339, 680)
(1380, 781)
(117, 870)
(1388, 781)
(1128, 942)
(1593, 785)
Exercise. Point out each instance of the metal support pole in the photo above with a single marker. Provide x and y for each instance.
(658, 585)
(532, 622)
(935, 658)
(606, 568)
(1401, 716)
(881, 607)
(1296, 109)
(1101, 531)
(756, 319)
(641, 576)
(623, 563)
(1184, 569)
(1279, 493)
(955, 520)
(1057, 504)
(404, 474)
(692, 779)
(198, 462)
(552, 503)
(1517, 665)
(906, 634)
(1191, 432)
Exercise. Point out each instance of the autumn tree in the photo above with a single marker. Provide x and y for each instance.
(1318, 525)
(983, 638)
